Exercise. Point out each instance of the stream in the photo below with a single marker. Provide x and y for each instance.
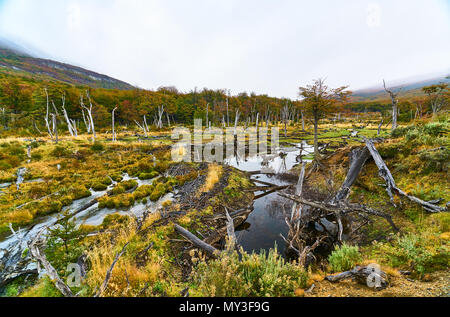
(14, 257)
(263, 227)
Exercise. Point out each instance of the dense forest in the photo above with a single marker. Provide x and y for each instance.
(23, 100)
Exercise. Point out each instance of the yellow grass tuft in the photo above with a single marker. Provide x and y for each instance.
(214, 174)
(300, 292)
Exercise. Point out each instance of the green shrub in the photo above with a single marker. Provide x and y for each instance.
(60, 152)
(97, 147)
(36, 156)
(44, 289)
(4, 166)
(263, 275)
(344, 258)
(411, 251)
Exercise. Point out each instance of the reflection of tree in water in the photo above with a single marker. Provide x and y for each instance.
(275, 207)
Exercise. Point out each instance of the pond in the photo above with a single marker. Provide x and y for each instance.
(263, 227)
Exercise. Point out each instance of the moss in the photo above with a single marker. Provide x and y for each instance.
(44, 289)
(114, 219)
(158, 192)
(99, 187)
(97, 147)
(79, 192)
(143, 191)
(60, 152)
(236, 183)
(145, 176)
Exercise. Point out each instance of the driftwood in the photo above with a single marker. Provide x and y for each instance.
(239, 217)
(391, 187)
(109, 272)
(209, 249)
(371, 276)
(344, 208)
(50, 270)
(230, 229)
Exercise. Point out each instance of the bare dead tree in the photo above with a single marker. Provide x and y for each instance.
(228, 113)
(89, 112)
(144, 126)
(160, 124)
(394, 98)
(47, 118)
(238, 113)
(55, 127)
(114, 138)
(70, 123)
(86, 121)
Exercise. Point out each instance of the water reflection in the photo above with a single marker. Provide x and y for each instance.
(263, 227)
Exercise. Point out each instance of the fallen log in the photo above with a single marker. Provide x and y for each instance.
(343, 208)
(239, 218)
(371, 276)
(230, 230)
(391, 186)
(271, 191)
(359, 158)
(109, 272)
(197, 242)
(49, 269)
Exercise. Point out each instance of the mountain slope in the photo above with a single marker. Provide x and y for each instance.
(14, 61)
(406, 89)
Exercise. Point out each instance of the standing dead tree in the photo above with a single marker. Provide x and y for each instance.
(236, 121)
(394, 98)
(144, 126)
(71, 125)
(114, 137)
(285, 118)
(296, 236)
(160, 124)
(47, 118)
(90, 121)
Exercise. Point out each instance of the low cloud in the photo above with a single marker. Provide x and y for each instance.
(252, 45)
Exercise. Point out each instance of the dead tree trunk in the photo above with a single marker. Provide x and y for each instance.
(47, 120)
(89, 111)
(49, 269)
(391, 186)
(70, 124)
(371, 276)
(196, 241)
(236, 122)
(144, 126)
(394, 106)
(114, 139)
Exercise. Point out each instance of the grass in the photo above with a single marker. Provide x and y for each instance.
(251, 275)
(215, 172)
(422, 247)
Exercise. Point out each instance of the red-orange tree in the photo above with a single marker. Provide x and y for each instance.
(318, 100)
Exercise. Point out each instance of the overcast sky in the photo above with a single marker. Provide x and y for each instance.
(265, 46)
